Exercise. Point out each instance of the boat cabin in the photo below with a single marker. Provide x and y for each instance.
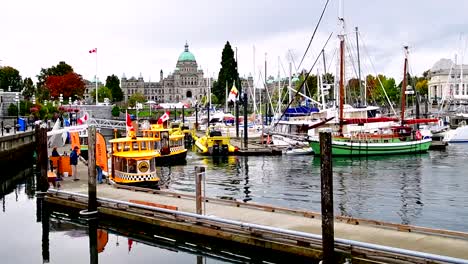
(133, 161)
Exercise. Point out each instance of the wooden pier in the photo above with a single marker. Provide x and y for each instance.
(289, 231)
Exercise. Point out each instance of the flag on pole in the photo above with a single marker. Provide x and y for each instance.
(128, 121)
(101, 152)
(164, 118)
(83, 119)
(233, 93)
(93, 50)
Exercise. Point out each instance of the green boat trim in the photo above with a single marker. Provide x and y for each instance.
(342, 147)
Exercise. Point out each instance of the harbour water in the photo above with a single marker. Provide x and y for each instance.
(425, 190)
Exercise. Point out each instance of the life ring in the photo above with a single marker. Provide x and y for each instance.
(418, 135)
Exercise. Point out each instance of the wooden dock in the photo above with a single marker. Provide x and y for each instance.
(279, 229)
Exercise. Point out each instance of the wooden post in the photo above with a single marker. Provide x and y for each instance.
(92, 196)
(326, 174)
(93, 241)
(246, 136)
(199, 171)
(45, 217)
(196, 117)
(183, 114)
(42, 158)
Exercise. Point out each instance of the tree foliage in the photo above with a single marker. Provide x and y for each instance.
(12, 110)
(136, 98)
(29, 88)
(113, 83)
(61, 69)
(69, 85)
(10, 77)
(103, 92)
(115, 111)
(227, 74)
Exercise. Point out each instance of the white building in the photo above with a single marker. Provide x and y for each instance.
(448, 81)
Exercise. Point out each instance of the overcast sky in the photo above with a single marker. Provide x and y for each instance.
(145, 36)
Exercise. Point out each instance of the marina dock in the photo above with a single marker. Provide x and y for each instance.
(285, 230)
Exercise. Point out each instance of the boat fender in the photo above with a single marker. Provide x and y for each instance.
(418, 135)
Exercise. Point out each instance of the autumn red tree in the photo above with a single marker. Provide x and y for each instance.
(69, 85)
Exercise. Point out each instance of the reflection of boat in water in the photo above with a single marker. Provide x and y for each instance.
(214, 143)
(133, 161)
(299, 151)
(170, 147)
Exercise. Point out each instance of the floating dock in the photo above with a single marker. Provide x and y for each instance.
(288, 231)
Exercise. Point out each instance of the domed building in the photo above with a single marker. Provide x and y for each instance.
(186, 84)
(448, 81)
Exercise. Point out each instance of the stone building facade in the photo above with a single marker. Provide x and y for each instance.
(186, 84)
(448, 81)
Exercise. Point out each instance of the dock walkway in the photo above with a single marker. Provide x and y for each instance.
(439, 242)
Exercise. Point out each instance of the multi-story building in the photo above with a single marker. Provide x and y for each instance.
(448, 81)
(185, 84)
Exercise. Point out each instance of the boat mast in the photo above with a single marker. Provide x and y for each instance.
(340, 131)
(342, 65)
(403, 87)
(361, 88)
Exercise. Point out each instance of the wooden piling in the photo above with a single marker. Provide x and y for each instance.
(246, 136)
(92, 201)
(326, 173)
(183, 114)
(42, 158)
(93, 241)
(199, 171)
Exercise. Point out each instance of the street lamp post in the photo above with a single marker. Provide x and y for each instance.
(61, 99)
(17, 112)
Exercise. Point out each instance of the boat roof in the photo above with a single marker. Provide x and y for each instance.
(128, 139)
(137, 154)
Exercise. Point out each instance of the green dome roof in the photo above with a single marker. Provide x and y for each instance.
(186, 55)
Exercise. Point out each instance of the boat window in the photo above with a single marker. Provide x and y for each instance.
(135, 146)
(131, 166)
(156, 134)
(143, 145)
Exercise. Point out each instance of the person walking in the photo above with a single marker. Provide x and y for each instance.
(73, 162)
(99, 174)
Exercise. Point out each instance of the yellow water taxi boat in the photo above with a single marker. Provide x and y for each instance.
(170, 147)
(214, 143)
(133, 161)
(182, 129)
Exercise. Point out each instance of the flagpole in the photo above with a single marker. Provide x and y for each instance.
(226, 107)
(96, 80)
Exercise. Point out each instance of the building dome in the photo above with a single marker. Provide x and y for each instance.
(186, 55)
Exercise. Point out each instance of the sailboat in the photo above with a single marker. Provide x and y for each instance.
(401, 139)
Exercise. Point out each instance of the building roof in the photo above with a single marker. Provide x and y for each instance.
(186, 55)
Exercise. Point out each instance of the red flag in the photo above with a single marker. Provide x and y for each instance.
(164, 118)
(128, 120)
(93, 50)
(83, 119)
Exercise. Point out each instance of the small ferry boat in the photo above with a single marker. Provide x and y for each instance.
(214, 143)
(171, 148)
(133, 161)
(182, 129)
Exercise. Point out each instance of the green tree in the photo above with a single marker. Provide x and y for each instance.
(61, 69)
(113, 83)
(29, 88)
(421, 86)
(103, 92)
(115, 111)
(10, 78)
(136, 98)
(227, 74)
(12, 110)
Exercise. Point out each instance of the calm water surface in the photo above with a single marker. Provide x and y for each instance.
(427, 190)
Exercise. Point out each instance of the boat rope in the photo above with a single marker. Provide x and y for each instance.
(305, 79)
(313, 35)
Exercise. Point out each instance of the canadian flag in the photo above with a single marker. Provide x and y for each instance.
(164, 118)
(93, 50)
(128, 121)
(83, 119)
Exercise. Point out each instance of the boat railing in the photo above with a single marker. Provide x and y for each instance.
(135, 176)
(177, 148)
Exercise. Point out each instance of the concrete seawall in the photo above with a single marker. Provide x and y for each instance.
(16, 151)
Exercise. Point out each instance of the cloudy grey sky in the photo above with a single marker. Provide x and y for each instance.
(145, 36)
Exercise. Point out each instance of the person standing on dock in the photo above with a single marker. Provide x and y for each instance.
(74, 162)
(99, 173)
(55, 152)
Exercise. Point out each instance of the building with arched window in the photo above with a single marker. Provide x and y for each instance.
(185, 84)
